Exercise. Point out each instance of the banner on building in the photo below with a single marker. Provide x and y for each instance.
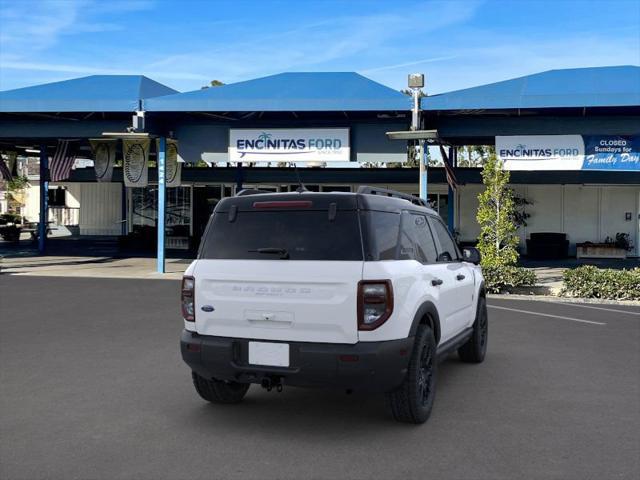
(611, 152)
(8, 165)
(541, 152)
(173, 166)
(289, 145)
(135, 154)
(569, 152)
(104, 157)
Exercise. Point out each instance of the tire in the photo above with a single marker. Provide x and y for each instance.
(412, 401)
(475, 349)
(217, 391)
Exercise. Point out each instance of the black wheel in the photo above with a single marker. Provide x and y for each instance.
(217, 391)
(413, 400)
(476, 347)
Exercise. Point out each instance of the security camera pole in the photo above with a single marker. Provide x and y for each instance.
(416, 83)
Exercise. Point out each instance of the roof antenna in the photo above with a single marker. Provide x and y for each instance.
(301, 188)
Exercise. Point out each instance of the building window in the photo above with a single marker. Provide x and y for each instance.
(57, 197)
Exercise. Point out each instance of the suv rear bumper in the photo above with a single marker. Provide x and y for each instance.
(364, 366)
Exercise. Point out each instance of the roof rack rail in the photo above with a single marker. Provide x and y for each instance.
(250, 191)
(366, 189)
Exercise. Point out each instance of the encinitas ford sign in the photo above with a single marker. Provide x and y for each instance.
(541, 152)
(569, 152)
(289, 145)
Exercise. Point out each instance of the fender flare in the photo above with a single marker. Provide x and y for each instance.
(427, 308)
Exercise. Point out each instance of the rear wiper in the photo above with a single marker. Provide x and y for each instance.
(284, 255)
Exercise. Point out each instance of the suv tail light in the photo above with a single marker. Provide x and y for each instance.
(375, 303)
(188, 299)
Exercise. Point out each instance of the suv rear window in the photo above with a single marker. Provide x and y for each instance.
(303, 235)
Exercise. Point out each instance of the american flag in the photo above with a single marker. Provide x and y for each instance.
(62, 161)
(4, 170)
(451, 175)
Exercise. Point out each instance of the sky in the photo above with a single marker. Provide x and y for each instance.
(185, 44)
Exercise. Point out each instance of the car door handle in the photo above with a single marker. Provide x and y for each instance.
(460, 277)
(436, 281)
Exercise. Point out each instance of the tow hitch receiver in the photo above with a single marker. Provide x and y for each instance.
(269, 383)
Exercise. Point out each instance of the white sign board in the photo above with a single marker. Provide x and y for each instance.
(541, 152)
(289, 145)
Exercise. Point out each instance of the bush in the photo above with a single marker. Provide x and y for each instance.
(500, 277)
(592, 282)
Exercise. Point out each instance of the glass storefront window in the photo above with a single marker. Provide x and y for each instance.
(144, 214)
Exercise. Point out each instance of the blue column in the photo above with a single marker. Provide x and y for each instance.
(423, 170)
(453, 158)
(44, 199)
(162, 149)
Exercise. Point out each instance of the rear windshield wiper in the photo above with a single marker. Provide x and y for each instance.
(284, 254)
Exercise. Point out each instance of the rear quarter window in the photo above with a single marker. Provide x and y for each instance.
(382, 234)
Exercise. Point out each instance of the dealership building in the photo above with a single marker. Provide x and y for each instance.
(571, 139)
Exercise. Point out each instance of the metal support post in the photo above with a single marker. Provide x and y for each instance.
(162, 149)
(44, 199)
(424, 159)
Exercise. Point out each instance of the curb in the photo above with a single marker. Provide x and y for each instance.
(555, 299)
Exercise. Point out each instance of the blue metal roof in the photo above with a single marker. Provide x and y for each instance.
(298, 92)
(96, 93)
(577, 87)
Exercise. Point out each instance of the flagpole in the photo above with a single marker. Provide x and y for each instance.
(44, 199)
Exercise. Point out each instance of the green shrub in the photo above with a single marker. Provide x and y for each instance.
(502, 277)
(592, 282)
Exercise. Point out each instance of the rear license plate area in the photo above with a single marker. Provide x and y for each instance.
(269, 354)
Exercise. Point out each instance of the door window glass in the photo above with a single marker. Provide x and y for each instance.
(447, 251)
(416, 229)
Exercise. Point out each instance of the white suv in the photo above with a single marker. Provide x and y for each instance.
(362, 291)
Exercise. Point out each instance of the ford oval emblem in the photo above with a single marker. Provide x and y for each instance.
(207, 308)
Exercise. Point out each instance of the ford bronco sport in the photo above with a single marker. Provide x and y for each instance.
(362, 291)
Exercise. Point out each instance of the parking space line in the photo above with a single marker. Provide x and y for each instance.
(546, 315)
(570, 304)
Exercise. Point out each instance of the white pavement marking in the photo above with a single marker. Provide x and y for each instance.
(628, 312)
(546, 315)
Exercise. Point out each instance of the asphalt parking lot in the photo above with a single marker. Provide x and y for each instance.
(92, 386)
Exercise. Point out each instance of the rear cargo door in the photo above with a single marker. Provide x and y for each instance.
(306, 301)
(280, 273)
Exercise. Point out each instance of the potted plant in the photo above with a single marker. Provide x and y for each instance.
(617, 247)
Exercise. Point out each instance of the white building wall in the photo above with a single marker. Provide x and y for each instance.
(581, 215)
(32, 202)
(100, 208)
(615, 203)
(583, 212)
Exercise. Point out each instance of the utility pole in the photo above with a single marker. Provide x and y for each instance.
(416, 83)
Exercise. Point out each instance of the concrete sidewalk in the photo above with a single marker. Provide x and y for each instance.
(98, 267)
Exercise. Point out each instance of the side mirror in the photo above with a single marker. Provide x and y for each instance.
(471, 255)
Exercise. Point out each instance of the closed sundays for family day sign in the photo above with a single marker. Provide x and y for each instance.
(289, 145)
(569, 152)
